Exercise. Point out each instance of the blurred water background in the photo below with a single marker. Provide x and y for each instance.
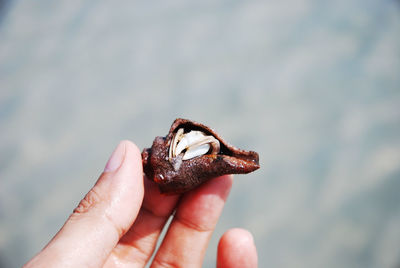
(313, 86)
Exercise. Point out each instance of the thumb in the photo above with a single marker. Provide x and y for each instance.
(102, 217)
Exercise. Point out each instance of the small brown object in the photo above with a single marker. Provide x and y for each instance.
(191, 154)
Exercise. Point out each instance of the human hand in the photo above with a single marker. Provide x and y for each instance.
(118, 222)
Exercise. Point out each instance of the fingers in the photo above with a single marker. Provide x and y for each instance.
(102, 217)
(236, 249)
(189, 233)
(137, 245)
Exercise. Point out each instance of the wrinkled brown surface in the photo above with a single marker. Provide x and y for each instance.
(193, 172)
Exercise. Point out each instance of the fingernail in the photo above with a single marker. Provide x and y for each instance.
(116, 158)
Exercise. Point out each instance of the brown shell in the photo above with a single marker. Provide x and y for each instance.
(193, 172)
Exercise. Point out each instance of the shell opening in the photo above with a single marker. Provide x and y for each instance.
(192, 144)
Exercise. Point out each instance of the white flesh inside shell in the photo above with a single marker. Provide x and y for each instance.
(192, 144)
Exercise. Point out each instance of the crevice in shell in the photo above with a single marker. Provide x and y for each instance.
(174, 174)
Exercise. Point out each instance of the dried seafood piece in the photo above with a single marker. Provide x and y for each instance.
(191, 154)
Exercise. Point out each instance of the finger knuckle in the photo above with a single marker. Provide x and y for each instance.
(91, 199)
(201, 228)
(165, 264)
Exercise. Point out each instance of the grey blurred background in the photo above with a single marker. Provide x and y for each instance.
(313, 86)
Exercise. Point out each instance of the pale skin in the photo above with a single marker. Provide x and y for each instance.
(118, 223)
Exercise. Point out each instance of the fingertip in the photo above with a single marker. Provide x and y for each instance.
(130, 172)
(236, 248)
(206, 201)
(238, 235)
(227, 180)
(220, 186)
(132, 147)
(132, 155)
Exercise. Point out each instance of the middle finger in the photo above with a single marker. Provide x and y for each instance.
(196, 216)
